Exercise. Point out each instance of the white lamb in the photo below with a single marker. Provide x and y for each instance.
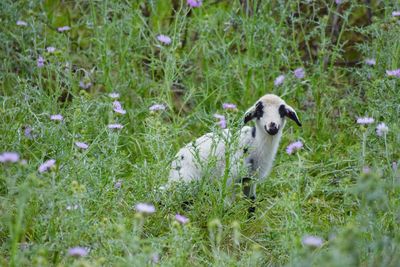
(255, 147)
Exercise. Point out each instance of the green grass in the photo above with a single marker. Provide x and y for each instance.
(218, 54)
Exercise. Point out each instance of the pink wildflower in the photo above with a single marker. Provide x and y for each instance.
(396, 13)
(293, 147)
(222, 120)
(181, 219)
(81, 145)
(365, 120)
(157, 107)
(78, 252)
(299, 73)
(115, 126)
(312, 241)
(370, 61)
(194, 3)
(51, 49)
(72, 207)
(228, 106)
(382, 129)
(56, 117)
(366, 170)
(394, 166)
(11, 157)
(118, 107)
(114, 95)
(279, 80)
(118, 184)
(63, 29)
(164, 39)
(145, 208)
(28, 132)
(155, 258)
(395, 73)
(84, 85)
(21, 23)
(40, 62)
(46, 165)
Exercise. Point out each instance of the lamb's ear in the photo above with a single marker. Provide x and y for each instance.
(256, 111)
(288, 111)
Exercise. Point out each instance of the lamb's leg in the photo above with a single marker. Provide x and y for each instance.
(249, 190)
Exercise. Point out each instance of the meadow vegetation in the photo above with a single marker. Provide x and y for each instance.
(335, 202)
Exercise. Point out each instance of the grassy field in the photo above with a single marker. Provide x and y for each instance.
(333, 203)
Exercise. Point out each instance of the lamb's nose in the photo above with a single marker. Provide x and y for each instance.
(272, 129)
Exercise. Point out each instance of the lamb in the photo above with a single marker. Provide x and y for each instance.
(255, 148)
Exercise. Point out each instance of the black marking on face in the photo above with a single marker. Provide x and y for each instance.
(259, 110)
(182, 157)
(282, 111)
(257, 113)
(248, 117)
(245, 150)
(253, 132)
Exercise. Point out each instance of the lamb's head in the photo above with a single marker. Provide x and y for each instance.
(270, 113)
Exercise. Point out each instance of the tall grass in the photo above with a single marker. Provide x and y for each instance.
(218, 53)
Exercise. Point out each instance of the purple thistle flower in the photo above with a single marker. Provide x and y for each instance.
(84, 85)
(155, 258)
(11, 157)
(181, 219)
(396, 13)
(382, 129)
(365, 120)
(21, 23)
(366, 170)
(157, 107)
(56, 117)
(299, 73)
(63, 28)
(219, 116)
(395, 73)
(118, 107)
(293, 147)
(40, 62)
(28, 132)
(118, 184)
(312, 241)
(222, 120)
(228, 106)
(78, 252)
(394, 166)
(145, 208)
(81, 145)
(164, 39)
(114, 95)
(370, 61)
(194, 3)
(51, 49)
(115, 126)
(72, 207)
(222, 124)
(279, 80)
(46, 165)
